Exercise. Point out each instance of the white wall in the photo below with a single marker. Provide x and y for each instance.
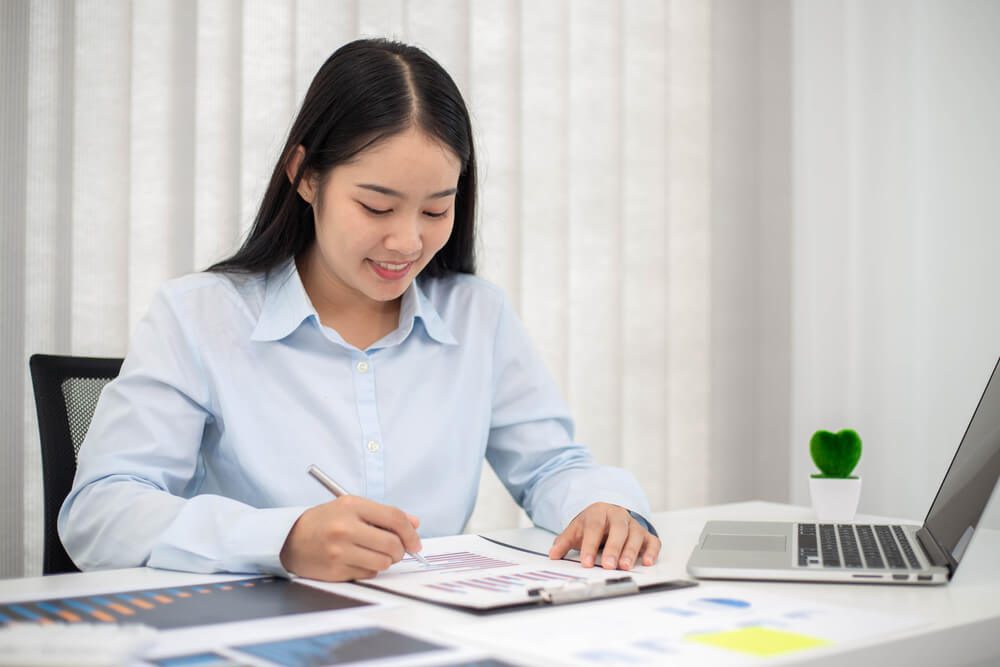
(896, 234)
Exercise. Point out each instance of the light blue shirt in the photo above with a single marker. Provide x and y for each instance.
(197, 453)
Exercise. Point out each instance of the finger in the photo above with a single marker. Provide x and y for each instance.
(630, 552)
(651, 552)
(341, 573)
(364, 574)
(350, 573)
(414, 521)
(391, 519)
(566, 540)
(380, 540)
(594, 528)
(365, 559)
(618, 523)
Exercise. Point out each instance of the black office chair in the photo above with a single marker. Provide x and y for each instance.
(66, 393)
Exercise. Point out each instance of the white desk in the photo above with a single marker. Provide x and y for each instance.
(961, 621)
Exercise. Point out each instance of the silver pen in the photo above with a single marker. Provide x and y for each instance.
(338, 491)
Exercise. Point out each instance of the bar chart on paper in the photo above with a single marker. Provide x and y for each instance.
(471, 572)
(335, 648)
(457, 561)
(184, 606)
(504, 583)
(467, 562)
(347, 642)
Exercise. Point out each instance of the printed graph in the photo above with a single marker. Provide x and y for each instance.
(341, 647)
(454, 562)
(168, 608)
(721, 604)
(197, 660)
(706, 605)
(503, 583)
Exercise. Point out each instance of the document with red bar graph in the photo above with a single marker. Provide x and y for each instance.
(473, 573)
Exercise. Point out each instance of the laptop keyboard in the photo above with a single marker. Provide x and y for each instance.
(852, 557)
(855, 546)
(911, 557)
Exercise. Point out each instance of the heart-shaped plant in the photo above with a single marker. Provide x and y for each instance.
(835, 454)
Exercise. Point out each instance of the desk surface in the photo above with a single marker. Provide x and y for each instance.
(960, 621)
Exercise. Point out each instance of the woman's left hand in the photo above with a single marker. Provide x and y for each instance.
(623, 537)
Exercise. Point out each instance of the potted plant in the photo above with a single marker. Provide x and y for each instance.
(834, 491)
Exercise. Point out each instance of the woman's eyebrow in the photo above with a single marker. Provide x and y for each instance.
(395, 193)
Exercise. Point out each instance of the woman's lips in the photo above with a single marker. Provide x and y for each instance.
(390, 270)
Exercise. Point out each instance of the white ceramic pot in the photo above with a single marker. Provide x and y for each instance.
(835, 499)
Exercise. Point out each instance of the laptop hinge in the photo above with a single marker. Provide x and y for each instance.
(935, 553)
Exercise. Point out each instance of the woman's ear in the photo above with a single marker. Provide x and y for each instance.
(307, 189)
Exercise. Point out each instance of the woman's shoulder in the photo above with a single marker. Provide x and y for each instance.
(214, 291)
(464, 289)
(465, 302)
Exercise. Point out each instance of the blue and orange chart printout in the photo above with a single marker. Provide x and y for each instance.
(183, 606)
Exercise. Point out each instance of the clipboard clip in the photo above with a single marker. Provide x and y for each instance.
(578, 591)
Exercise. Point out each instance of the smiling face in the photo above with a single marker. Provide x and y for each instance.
(379, 221)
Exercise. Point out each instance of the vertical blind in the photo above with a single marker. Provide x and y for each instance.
(634, 162)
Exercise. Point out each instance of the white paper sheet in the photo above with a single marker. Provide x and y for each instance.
(710, 624)
(473, 572)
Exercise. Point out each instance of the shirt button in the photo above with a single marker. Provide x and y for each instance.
(362, 366)
(373, 446)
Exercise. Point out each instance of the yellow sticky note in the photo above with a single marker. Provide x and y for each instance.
(759, 641)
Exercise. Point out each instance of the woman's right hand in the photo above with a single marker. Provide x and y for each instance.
(348, 538)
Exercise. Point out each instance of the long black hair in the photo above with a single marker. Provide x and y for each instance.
(367, 91)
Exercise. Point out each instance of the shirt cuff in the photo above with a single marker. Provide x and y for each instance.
(214, 534)
(275, 525)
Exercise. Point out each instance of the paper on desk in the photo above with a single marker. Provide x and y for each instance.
(79, 644)
(317, 639)
(473, 572)
(711, 624)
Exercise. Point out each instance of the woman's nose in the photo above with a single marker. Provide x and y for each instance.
(404, 237)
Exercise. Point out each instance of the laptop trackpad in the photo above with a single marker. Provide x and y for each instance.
(723, 542)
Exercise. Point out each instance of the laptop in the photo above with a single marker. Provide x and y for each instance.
(869, 553)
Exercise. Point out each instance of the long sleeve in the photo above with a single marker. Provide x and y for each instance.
(531, 445)
(135, 500)
(197, 453)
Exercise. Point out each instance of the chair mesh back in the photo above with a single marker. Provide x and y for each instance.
(80, 395)
(66, 393)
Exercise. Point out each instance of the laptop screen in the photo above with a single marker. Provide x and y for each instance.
(973, 474)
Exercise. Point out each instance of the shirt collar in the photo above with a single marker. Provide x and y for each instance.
(287, 305)
(416, 305)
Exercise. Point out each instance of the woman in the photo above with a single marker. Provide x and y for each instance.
(316, 343)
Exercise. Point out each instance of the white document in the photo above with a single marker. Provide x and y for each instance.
(82, 644)
(707, 625)
(473, 572)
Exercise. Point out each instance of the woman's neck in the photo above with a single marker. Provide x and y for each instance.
(358, 319)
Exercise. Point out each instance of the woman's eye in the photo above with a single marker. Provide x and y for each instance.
(433, 214)
(375, 211)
